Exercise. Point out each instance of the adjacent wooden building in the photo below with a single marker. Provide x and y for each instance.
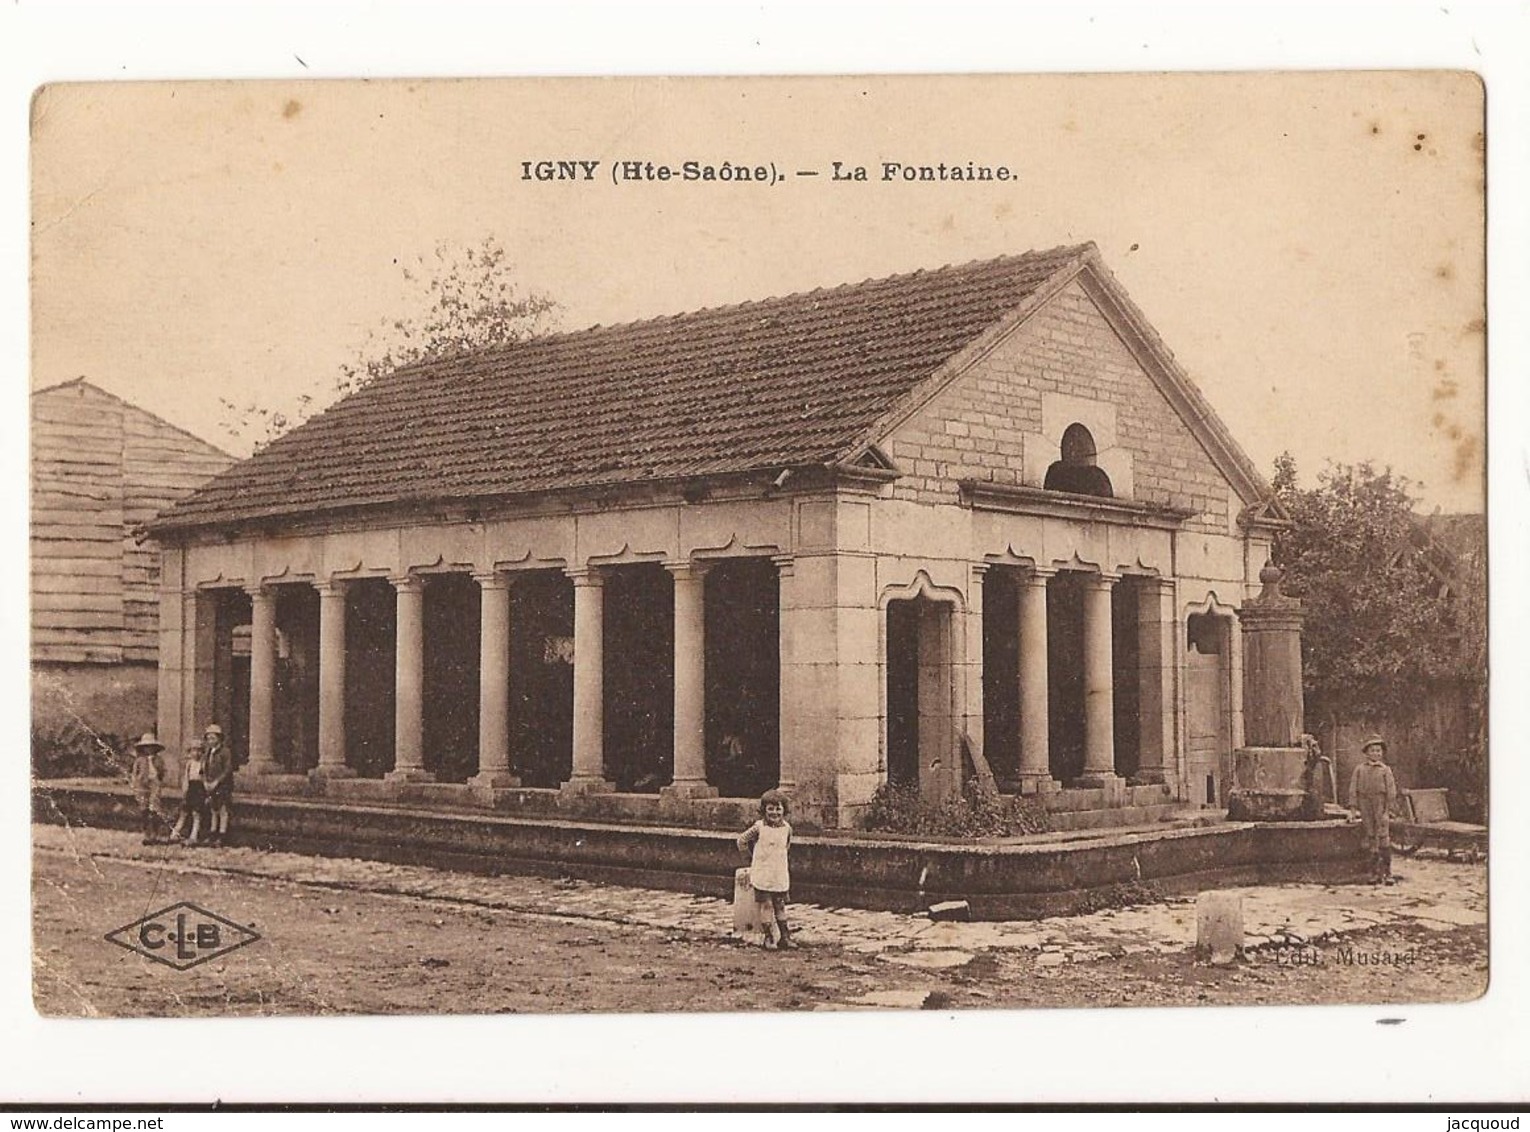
(101, 468)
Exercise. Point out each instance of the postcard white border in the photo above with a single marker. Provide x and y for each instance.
(1474, 1051)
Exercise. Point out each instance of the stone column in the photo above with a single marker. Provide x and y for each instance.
(1156, 632)
(262, 679)
(589, 773)
(175, 660)
(967, 669)
(1035, 735)
(189, 705)
(494, 764)
(1099, 691)
(331, 682)
(409, 682)
(200, 613)
(1270, 779)
(690, 775)
(797, 751)
(1272, 666)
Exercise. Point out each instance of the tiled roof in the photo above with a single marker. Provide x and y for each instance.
(783, 382)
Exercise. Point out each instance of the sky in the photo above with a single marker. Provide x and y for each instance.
(1311, 246)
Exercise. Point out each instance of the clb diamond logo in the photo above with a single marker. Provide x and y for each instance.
(182, 936)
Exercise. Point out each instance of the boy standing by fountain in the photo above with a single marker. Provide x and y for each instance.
(1373, 796)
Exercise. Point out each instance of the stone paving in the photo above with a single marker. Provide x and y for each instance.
(1434, 894)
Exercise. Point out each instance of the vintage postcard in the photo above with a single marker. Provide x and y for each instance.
(770, 544)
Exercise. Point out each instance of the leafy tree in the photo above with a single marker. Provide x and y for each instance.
(1377, 628)
(467, 301)
(1390, 616)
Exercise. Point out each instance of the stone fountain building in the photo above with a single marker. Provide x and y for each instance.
(884, 532)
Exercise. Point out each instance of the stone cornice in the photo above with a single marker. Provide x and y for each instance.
(980, 495)
(742, 486)
(582, 501)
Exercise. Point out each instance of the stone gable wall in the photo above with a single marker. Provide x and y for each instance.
(980, 427)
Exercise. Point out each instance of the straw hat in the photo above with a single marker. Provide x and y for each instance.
(1373, 741)
(149, 742)
(213, 729)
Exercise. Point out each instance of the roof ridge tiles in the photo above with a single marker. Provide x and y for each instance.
(1059, 252)
(784, 381)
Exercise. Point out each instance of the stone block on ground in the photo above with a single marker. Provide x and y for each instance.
(893, 999)
(951, 910)
(1219, 926)
(746, 914)
(927, 960)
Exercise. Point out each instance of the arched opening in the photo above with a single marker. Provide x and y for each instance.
(1208, 704)
(1065, 675)
(1078, 472)
(295, 714)
(542, 677)
(371, 643)
(743, 676)
(1001, 674)
(450, 699)
(230, 706)
(922, 726)
(639, 676)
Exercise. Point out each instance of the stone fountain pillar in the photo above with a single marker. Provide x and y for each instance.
(1268, 780)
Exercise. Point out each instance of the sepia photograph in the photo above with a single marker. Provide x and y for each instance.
(764, 522)
(833, 544)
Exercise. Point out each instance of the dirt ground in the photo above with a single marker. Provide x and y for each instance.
(328, 951)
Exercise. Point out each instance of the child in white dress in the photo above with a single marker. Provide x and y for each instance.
(770, 838)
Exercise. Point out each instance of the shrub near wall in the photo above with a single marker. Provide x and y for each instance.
(71, 750)
(978, 811)
(84, 717)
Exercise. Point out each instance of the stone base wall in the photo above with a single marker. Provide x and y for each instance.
(1000, 881)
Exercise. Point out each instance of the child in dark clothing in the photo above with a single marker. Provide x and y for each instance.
(218, 775)
(193, 816)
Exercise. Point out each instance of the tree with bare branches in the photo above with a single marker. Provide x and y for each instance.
(468, 300)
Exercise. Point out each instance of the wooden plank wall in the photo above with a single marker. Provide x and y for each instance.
(160, 465)
(101, 467)
(76, 526)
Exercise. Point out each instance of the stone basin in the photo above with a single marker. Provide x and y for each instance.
(1272, 805)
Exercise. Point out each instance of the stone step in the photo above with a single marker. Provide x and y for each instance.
(1074, 798)
(1116, 818)
(1184, 818)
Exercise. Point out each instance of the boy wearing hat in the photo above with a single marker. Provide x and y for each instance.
(1373, 796)
(145, 778)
